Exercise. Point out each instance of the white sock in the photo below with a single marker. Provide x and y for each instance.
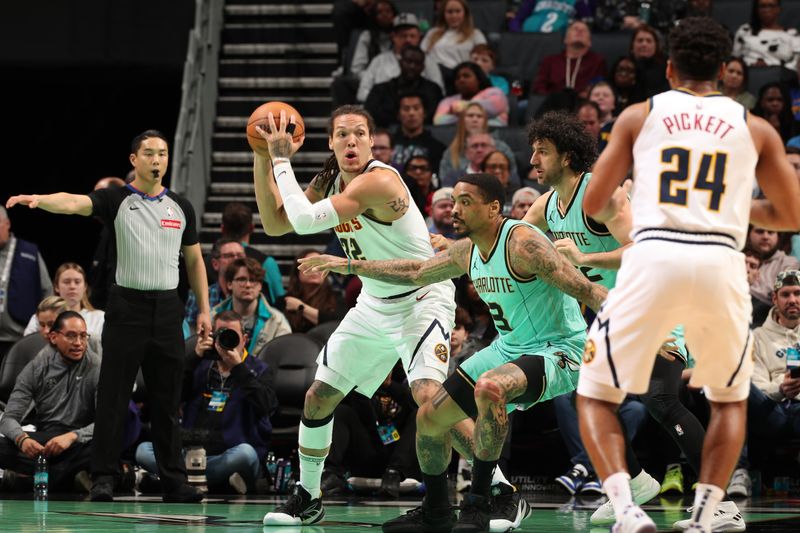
(706, 499)
(498, 477)
(313, 438)
(311, 473)
(618, 490)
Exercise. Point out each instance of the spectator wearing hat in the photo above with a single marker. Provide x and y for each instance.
(522, 201)
(442, 213)
(773, 406)
(386, 65)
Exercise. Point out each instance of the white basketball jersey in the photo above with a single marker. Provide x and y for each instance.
(694, 166)
(364, 237)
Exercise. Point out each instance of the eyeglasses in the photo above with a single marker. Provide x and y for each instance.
(786, 275)
(71, 336)
(244, 281)
(232, 256)
(479, 145)
(418, 168)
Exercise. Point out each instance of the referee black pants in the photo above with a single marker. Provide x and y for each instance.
(142, 329)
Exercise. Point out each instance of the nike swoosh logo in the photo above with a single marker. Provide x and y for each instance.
(134, 207)
(281, 173)
(423, 296)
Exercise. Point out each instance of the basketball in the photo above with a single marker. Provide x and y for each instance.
(260, 117)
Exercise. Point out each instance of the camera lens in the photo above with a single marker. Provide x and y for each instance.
(227, 338)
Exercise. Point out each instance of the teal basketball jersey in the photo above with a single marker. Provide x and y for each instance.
(592, 237)
(588, 235)
(528, 313)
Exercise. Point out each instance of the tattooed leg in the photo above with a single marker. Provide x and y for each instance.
(492, 392)
(461, 435)
(321, 400)
(435, 420)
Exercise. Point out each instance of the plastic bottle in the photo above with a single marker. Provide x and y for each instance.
(644, 12)
(271, 466)
(279, 471)
(516, 88)
(40, 479)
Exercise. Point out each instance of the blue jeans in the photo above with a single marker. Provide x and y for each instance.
(632, 412)
(241, 458)
(768, 418)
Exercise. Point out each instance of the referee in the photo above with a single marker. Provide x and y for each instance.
(151, 225)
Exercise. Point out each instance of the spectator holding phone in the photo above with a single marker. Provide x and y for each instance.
(773, 407)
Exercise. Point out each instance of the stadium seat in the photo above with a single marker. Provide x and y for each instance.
(322, 332)
(489, 15)
(611, 46)
(731, 13)
(443, 134)
(521, 53)
(20, 354)
(293, 359)
(760, 76)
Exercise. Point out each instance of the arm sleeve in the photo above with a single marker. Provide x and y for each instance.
(304, 216)
(259, 391)
(19, 403)
(361, 54)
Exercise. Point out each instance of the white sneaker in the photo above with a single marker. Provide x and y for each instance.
(740, 484)
(644, 488)
(726, 518)
(634, 520)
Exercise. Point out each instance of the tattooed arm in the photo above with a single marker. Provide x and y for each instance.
(451, 263)
(532, 254)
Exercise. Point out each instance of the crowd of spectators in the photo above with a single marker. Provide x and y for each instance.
(418, 82)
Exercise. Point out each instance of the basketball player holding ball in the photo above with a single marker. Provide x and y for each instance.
(370, 209)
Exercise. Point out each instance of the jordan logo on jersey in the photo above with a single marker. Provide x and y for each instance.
(348, 227)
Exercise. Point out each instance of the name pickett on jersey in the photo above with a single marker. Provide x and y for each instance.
(697, 122)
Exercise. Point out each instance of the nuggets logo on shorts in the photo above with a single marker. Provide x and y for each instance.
(440, 351)
(588, 352)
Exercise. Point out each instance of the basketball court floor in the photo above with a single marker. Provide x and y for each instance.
(552, 513)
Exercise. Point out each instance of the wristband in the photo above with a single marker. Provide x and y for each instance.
(348, 265)
(23, 439)
(301, 308)
(278, 160)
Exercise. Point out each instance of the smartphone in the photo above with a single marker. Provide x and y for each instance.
(795, 371)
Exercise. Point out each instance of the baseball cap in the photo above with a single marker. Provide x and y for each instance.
(405, 19)
(445, 193)
(787, 278)
(522, 193)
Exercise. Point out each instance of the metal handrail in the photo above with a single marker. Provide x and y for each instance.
(191, 151)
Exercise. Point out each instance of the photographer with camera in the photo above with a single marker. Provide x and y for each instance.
(229, 395)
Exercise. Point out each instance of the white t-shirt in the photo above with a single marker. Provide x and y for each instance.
(94, 322)
(775, 47)
(448, 51)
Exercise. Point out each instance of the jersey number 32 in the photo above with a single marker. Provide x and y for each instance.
(710, 176)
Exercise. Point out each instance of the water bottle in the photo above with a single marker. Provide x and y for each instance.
(279, 472)
(196, 467)
(40, 479)
(271, 466)
(644, 12)
(286, 484)
(516, 88)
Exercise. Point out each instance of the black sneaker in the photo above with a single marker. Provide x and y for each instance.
(332, 483)
(509, 508)
(390, 483)
(475, 514)
(149, 484)
(102, 489)
(298, 510)
(422, 518)
(183, 494)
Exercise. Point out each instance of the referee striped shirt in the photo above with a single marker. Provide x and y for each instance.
(149, 232)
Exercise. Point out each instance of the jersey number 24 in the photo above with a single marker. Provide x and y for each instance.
(710, 176)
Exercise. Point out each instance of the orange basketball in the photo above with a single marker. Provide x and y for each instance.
(260, 117)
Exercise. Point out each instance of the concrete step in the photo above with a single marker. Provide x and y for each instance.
(266, 48)
(294, 31)
(235, 141)
(315, 82)
(244, 105)
(284, 67)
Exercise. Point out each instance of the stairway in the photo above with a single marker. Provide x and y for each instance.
(271, 50)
